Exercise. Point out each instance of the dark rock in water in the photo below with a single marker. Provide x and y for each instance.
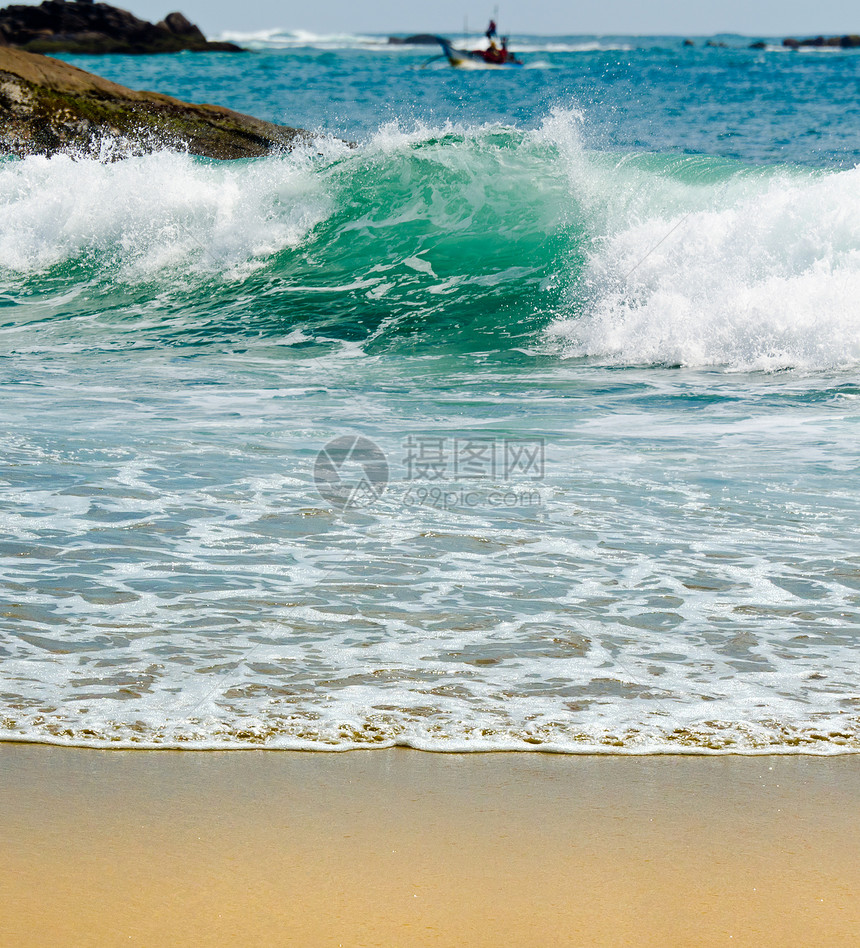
(689, 43)
(712, 45)
(419, 39)
(48, 106)
(830, 42)
(180, 25)
(81, 26)
(759, 45)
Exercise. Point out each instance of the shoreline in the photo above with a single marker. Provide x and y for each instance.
(412, 848)
(828, 751)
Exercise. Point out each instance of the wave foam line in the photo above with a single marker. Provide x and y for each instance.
(816, 749)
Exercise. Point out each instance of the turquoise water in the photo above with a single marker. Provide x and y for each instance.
(590, 332)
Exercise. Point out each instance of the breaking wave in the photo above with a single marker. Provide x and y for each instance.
(465, 237)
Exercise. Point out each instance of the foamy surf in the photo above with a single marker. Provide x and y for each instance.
(151, 215)
(182, 337)
(644, 260)
(699, 265)
(279, 38)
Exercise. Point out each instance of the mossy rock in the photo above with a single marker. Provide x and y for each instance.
(48, 106)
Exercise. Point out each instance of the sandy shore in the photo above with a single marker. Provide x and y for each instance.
(399, 848)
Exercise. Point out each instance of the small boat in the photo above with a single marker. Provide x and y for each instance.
(494, 57)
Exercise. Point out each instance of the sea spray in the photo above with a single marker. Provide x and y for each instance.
(150, 216)
(633, 259)
(767, 277)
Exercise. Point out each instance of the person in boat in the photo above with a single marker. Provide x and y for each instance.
(499, 56)
(493, 54)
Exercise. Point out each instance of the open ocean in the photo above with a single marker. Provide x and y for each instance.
(583, 342)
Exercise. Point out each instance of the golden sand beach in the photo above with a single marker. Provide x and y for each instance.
(402, 848)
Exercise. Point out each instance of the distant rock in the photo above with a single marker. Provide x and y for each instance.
(689, 42)
(81, 26)
(419, 39)
(49, 107)
(839, 42)
(759, 45)
(712, 45)
(179, 25)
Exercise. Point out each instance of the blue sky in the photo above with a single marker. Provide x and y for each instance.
(687, 17)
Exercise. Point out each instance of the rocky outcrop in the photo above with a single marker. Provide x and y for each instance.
(81, 26)
(48, 106)
(841, 42)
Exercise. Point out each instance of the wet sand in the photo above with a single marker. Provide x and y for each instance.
(400, 848)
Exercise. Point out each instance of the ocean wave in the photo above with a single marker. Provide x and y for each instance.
(518, 234)
(285, 39)
(592, 46)
(278, 38)
(703, 263)
(173, 576)
(148, 216)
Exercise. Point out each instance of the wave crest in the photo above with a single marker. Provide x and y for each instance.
(470, 237)
(702, 264)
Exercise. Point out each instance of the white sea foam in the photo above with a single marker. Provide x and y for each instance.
(152, 214)
(177, 581)
(687, 260)
(278, 38)
(696, 263)
(297, 39)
